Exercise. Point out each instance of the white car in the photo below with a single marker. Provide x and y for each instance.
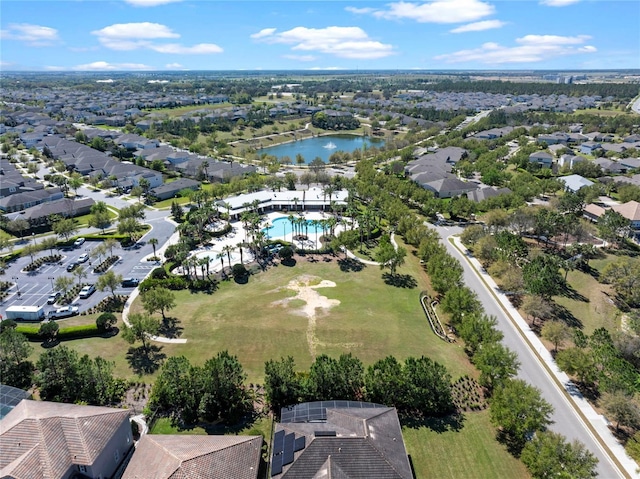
(83, 258)
(64, 312)
(79, 242)
(87, 291)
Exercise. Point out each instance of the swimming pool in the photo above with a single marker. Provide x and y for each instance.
(281, 227)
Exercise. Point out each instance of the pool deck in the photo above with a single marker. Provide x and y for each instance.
(238, 235)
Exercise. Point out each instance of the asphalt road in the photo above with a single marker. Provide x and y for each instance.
(565, 419)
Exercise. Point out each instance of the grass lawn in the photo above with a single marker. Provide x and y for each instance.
(262, 426)
(591, 307)
(471, 452)
(372, 320)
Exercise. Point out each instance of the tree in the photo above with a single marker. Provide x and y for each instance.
(19, 225)
(177, 390)
(65, 228)
(15, 369)
(578, 362)
(106, 321)
(128, 226)
(158, 299)
(100, 216)
(624, 276)
(141, 326)
(622, 409)
(496, 363)
(153, 242)
(334, 379)
(612, 226)
(541, 276)
(555, 332)
(286, 253)
(49, 243)
(445, 272)
(479, 330)
(384, 382)
(75, 182)
(428, 386)
(281, 383)
(63, 284)
(48, 330)
(537, 307)
(110, 281)
(458, 302)
(224, 395)
(31, 250)
(519, 410)
(177, 211)
(80, 273)
(550, 455)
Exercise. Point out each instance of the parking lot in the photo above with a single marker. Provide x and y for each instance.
(33, 288)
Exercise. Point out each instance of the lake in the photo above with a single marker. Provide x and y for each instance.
(322, 146)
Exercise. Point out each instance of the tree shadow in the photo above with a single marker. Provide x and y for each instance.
(569, 292)
(350, 265)
(400, 280)
(290, 262)
(241, 279)
(514, 445)
(563, 314)
(145, 361)
(170, 328)
(452, 422)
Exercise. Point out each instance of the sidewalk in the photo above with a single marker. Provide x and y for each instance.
(598, 423)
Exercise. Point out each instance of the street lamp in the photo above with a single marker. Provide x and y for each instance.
(51, 278)
(33, 236)
(15, 279)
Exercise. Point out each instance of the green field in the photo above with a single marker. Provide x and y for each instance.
(264, 319)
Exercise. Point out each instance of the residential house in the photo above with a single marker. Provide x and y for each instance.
(170, 190)
(570, 160)
(131, 141)
(493, 133)
(449, 187)
(65, 207)
(629, 210)
(588, 147)
(26, 199)
(486, 192)
(169, 456)
(574, 183)
(630, 163)
(339, 439)
(610, 166)
(41, 440)
(542, 158)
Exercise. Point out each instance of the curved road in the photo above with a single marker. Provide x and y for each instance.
(565, 419)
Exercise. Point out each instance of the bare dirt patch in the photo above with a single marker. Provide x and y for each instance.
(314, 305)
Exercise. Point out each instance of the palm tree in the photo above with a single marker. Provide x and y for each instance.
(228, 249)
(239, 246)
(153, 242)
(203, 262)
(292, 219)
(220, 256)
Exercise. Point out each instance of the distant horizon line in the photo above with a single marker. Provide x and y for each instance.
(329, 70)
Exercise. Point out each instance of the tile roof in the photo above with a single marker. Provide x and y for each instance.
(195, 457)
(630, 210)
(41, 439)
(367, 444)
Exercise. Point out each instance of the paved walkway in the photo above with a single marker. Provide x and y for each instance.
(599, 424)
(369, 262)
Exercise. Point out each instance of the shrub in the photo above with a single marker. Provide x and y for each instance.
(106, 321)
(239, 271)
(159, 273)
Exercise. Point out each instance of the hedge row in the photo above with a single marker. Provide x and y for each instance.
(64, 334)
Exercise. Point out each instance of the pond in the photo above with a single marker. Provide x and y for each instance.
(322, 146)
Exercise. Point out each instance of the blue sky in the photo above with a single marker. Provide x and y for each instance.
(113, 35)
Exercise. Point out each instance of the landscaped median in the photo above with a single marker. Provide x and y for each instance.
(64, 334)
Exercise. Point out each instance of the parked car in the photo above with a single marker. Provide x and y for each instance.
(130, 282)
(71, 266)
(79, 242)
(64, 312)
(87, 291)
(53, 297)
(83, 258)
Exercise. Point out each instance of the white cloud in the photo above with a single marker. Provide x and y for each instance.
(150, 3)
(326, 68)
(344, 42)
(558, 3)
(177, 49)
(104, 66)
(33, 35)
(265, 32)
(300, 58)
(174, 66)
(530, 49)
(437, 11)
(134, 36)
(479, 26)
(359, 11)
